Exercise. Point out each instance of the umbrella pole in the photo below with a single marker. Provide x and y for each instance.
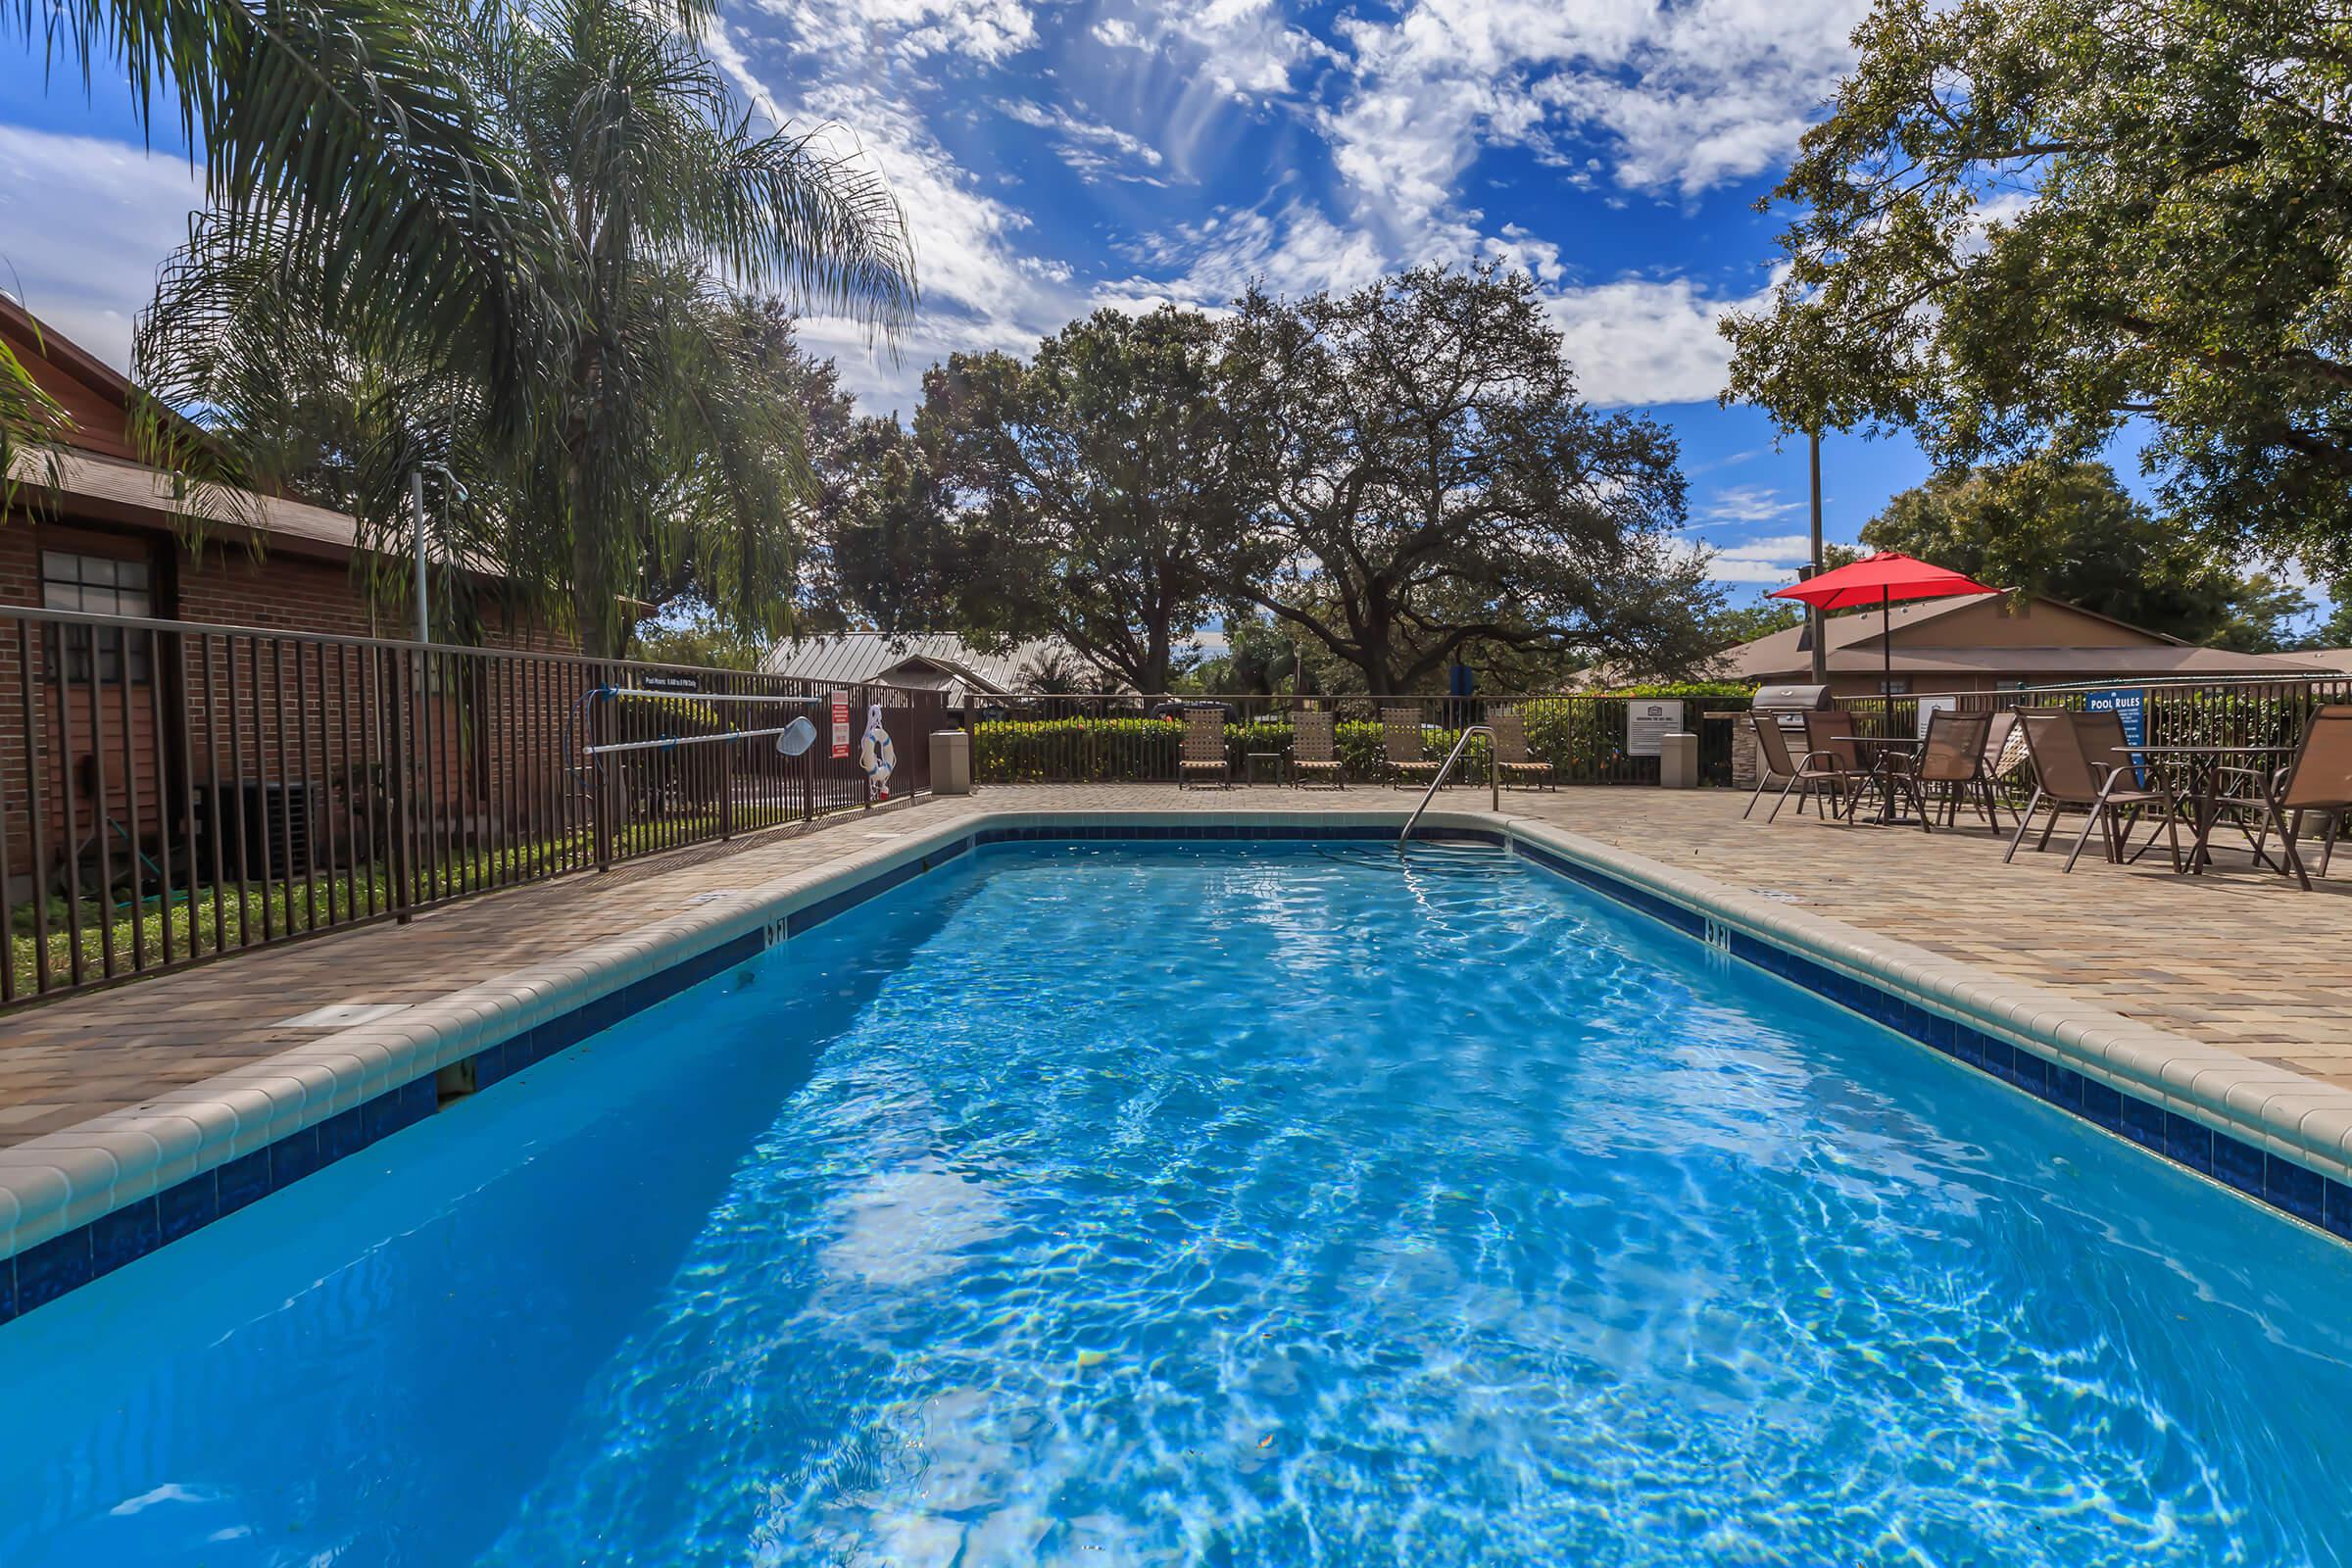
(1887, 653)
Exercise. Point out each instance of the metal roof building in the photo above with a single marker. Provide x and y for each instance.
(932, 660)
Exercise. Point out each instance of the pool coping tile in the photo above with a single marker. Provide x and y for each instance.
(2261, 1111)
(193, 1154)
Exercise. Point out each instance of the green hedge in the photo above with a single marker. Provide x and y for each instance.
(1582, 737)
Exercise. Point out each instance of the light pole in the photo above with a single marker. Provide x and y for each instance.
(1817, 626)
(424, 621)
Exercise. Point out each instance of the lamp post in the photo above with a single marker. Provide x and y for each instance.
(425, 619)
(1816, 627)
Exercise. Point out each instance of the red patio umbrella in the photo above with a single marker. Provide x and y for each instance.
(1881, 580)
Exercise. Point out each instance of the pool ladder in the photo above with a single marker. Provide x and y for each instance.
(1493, 778)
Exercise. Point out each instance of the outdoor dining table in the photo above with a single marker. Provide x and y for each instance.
(1875, 753)
(2204, 764)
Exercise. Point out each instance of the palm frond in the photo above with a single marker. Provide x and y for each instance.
(33, 426)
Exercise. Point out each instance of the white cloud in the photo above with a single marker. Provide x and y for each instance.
(1093, 151)
(982, 289)
(1772, 558)
(1291, 252)
(1429, 90)
(1779, 548)
(839, 33)
(1684, 97)
(1236, 49)
(1732, 568)
(1750, 503)
(1632, 341)
(84, 224)
(1644, 340)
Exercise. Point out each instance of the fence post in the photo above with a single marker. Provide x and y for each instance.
(600, 792)
(726, 788)
(400, 795)
(857, 718)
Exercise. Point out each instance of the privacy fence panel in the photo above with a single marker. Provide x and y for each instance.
(172, 792)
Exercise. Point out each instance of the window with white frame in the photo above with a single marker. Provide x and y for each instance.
(101, 585)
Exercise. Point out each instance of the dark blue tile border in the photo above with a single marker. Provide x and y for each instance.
(42, 1274)
(2281, 1184)
(48, 1271)
(63, 1263)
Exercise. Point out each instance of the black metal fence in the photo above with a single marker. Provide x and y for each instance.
(2170, 712)
(170, 792)
(1090, 739)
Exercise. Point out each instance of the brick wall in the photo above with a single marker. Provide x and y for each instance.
(278, 592)
(486, 730)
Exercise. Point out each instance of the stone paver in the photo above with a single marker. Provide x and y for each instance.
(67, 1060)
(2238, 959)
(2238, 956)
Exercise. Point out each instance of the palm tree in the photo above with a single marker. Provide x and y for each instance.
(31, 423)
(651, 175)
(338, 125)
(393, 154)
(1055, 671)
(643, 418)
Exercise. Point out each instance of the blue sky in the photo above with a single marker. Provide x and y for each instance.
(1056, 157)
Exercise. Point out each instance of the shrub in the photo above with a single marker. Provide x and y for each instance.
(1075, 750)
(1583, 738)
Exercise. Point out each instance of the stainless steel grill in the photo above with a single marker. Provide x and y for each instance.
(1789, 705)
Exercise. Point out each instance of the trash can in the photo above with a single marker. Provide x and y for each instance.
(951, 763)
(1677, 762)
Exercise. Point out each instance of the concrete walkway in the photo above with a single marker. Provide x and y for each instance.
(2236, 958)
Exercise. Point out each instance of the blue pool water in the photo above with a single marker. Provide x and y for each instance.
(1140, 1204)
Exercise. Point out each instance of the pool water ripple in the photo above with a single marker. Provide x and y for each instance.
(1244, 1205)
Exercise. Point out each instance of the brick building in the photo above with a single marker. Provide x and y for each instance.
(132, 730)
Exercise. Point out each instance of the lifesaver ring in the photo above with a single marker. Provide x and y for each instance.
(877, 755)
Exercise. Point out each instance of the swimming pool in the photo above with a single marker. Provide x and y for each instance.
(1246, 1203)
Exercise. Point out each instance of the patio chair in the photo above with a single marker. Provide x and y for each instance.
(1400, 734)
(1316, 750)
(1829, 736)
(1816, 773)
(2068, 750)
(2004, 745)
(1951, 758)
(2319, 779)
(1511, 758)
(1204, 755)
(2005, 759)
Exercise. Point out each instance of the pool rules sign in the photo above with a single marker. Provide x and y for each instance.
(1648, 724)
(841, 725)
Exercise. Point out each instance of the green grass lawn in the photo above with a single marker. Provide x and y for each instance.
(206, 919)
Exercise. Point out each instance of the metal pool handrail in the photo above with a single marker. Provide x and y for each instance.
(1494, 777)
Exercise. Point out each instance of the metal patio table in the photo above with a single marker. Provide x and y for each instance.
(1884, 754)
(2204, 764)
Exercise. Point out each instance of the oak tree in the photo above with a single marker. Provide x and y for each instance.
(2028, 222)
(1429, 485)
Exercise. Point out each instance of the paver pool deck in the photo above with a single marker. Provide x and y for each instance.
(2240, 958)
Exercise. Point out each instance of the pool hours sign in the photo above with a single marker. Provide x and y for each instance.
(841, 725)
